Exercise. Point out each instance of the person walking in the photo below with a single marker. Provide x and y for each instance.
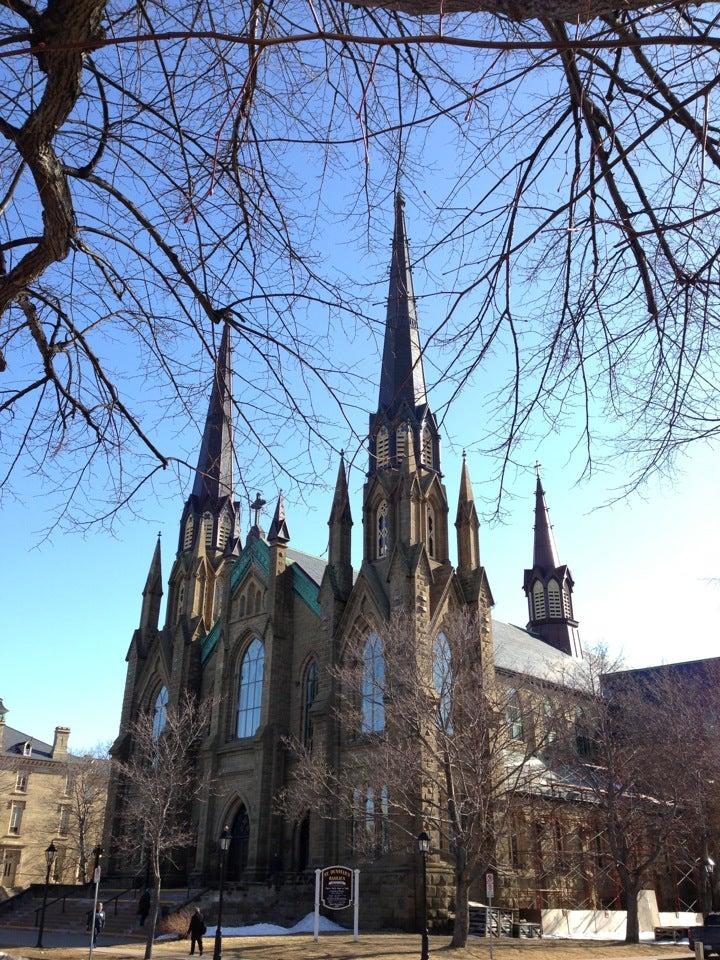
(99, 923)
(144, 907)
(196, 930)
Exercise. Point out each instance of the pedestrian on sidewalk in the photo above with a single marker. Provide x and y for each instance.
(144, 907)
(196, 930)
(99, 922)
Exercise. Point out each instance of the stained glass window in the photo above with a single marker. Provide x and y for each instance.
(252, 670)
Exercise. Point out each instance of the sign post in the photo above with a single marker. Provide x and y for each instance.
(337, 888)
(96, 878)
(316, 928)
(356, 905)
(490, 892)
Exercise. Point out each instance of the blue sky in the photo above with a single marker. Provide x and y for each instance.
(644, 568)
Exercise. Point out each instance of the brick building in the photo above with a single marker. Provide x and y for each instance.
(38, 799)
(255, 624)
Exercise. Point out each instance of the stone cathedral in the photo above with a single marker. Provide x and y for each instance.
(253, 623)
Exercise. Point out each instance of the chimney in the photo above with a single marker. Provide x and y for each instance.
(60, 742)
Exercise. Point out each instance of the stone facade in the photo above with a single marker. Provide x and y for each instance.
(37, 804)
(255, 627)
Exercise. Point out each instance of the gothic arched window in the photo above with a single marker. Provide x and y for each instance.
(567, 602)
(427, 447)
(538, 601)
(373, 686)
(549, 716)
(217, 600)
(382, 529)
(513, 716)
(431, 531)
(241, 606)
(252, 669)
(442, 681)
(554, 604)
(208, 528)
(160, 712)
(224, 531)
(180, 601)
(310, 690)
(382, 447)
(189, 529)
(401, 440)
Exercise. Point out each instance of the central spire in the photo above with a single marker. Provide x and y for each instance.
(214, 474)
(402, 376)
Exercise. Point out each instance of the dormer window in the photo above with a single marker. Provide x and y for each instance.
(189, 530)
(382, 447)
(554, 604)
(382, 529)
(27, 749)
(538, 601)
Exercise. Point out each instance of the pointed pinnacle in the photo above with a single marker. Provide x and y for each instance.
(341, 499)
(279, 532)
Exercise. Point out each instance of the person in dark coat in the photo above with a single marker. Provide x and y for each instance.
(144, 907)
(196, 930)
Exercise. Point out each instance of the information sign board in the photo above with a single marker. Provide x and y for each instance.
(337, 887)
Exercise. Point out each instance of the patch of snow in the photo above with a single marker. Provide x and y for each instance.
(306, 925)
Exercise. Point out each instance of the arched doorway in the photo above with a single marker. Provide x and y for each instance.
(304, 844)
(239, 843)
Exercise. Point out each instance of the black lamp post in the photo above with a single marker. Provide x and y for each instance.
(424, 848)
(224, 843)
(50, 859)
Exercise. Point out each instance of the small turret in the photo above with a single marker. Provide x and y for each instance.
(548, 586)
(467, 525)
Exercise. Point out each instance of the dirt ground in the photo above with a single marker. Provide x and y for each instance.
(399, 946)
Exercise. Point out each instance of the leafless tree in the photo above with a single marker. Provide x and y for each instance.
(626, 739)
(450, 755)
(168, 167)
(159, 785)
(87, 788)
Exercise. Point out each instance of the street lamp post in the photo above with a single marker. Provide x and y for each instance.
(50, 859)
(97, 853)
(224, 844)
(424, 848)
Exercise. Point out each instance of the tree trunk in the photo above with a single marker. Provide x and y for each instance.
(153, 913)
(630, 889)
(462, 919)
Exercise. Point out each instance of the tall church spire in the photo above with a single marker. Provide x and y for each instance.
(549, 586)
(544, 550)
(340, 535)
(402, 376)
(152, 592)
(214, 474)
